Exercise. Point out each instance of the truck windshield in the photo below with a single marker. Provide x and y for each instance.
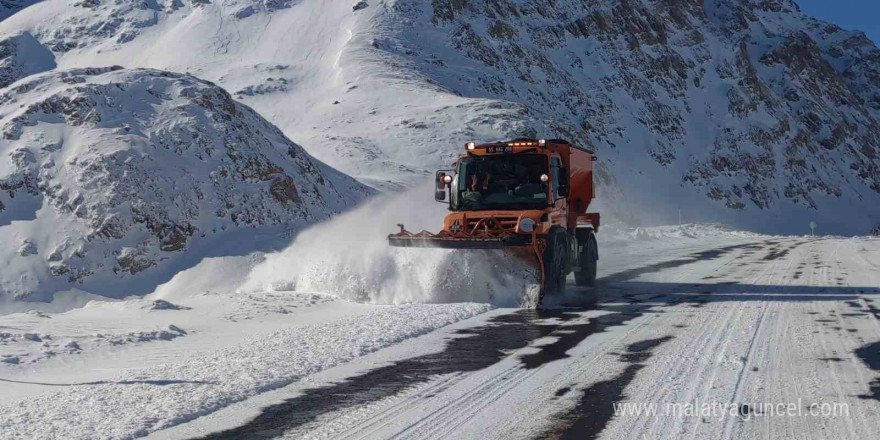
(502, 182)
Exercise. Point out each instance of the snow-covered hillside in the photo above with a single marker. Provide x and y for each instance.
(742, 111)
(22, 55)
(113, 180)
(768, 113)
(307, 66)
(9, 7)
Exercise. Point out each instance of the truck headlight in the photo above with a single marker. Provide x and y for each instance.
(527, 225)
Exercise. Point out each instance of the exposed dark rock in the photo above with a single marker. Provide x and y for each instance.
(802, 97)
(284, 190)
(22, 55)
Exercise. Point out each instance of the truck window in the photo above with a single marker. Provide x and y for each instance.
(509, 181)
(554, 176)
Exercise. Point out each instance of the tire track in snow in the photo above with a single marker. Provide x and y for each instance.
(752, 346)
(831, 385)
(713, 341)
(461, 410)
(760, 337)
(460, 414)
(685, 368)
(656, 329)
(714, 366)
(837, 369)
(388, 415)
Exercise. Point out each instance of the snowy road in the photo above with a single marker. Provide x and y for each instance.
(749, 338)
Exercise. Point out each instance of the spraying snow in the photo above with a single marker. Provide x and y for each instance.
(349, 256)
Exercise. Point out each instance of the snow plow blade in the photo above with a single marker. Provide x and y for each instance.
(446, 240)
(435, 241)
(444, 243)
(526, 246)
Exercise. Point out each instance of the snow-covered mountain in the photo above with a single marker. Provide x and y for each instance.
(112, 178)
(746, 112)
(9, 7)
(749, 103)
(22, 55)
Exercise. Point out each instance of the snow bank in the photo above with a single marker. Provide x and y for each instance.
(145, 400)
(214, 275)
(349, 256)
(617, 233)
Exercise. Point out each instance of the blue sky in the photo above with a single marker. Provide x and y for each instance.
(863, 15)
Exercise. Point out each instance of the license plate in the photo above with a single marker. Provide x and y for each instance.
(504, 149)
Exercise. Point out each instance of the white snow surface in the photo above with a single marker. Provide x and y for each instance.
(140, 401)
(114, 180)
(753, 321)
(735, 111)
(245, 342)
(349, 256)
(210, 337)
(681, 105)
(389, 92)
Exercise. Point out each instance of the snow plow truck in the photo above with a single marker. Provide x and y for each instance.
(527, 196)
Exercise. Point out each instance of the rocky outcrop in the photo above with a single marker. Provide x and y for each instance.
(750, 102)
(22, 55)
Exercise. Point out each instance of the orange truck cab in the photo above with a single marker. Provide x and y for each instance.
(526, 195)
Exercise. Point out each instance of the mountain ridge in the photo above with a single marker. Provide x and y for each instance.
(746, 112)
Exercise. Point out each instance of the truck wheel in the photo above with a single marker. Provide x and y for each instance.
(554, 263)
(586, 277)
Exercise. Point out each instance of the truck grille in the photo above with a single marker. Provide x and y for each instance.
(507, 222)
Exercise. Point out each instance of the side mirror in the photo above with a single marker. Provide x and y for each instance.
(563, 188)
(441, 184)
(440, 181)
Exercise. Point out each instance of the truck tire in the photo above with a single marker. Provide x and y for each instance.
(586, 276)
(555, 256)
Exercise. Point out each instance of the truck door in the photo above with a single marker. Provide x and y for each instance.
(557, 217)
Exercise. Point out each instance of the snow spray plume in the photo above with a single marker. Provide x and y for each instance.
(349, 256)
